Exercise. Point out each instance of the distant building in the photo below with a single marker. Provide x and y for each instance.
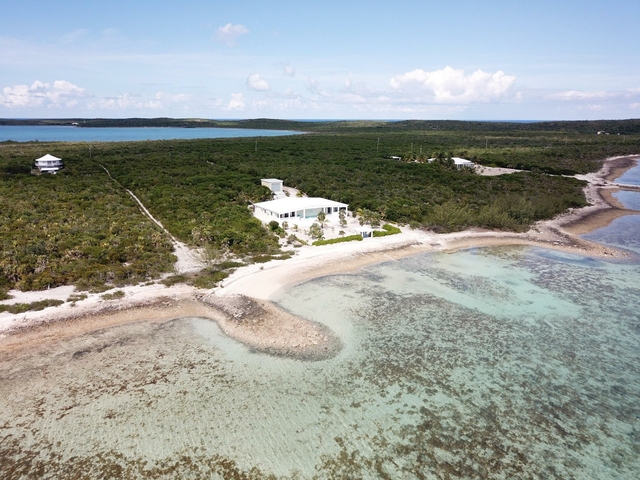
(49, 164)
(275, 186)
(459, 162)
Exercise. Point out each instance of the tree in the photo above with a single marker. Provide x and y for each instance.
(343, 218)
(315, 231)
(322, 217)
(374, 219)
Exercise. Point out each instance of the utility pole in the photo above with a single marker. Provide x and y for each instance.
(256, 144)
(90, 147)
(378, 146)
(486, 143)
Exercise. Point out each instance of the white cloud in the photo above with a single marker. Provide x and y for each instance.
(236, 103)
(313, 86)
(40, 94)
(579, 95)
(257, 83)
(454, 86)
(172, 97)
(598, 100)
(229, 33)
(355, 87)
(121, 102)
(287, 69)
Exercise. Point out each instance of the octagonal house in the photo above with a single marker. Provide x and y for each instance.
(49, 164)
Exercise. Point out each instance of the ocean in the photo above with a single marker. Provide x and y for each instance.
(48, 133)
(508, 362)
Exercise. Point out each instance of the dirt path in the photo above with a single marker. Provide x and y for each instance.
(188, 259)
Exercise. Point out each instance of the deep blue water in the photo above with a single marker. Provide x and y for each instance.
(126, 134)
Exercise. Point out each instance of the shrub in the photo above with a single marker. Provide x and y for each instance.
(113, 296)
(173, 280)
(209, 279)
(76, 298)
(229, 264)
(350, 238)
(26, 307)
(387, 229)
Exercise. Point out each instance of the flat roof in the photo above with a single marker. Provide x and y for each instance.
(271, 180)
(456, 160)
(293, 204)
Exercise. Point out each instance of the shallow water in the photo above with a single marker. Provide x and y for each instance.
(623, 232)
(630, 177)
(630, 200)
(487, 363)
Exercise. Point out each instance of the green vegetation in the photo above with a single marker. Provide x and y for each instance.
(76, 297)
(387, 229)
(349, 238)
(208, 278)
(30, 307)
(172, 280)
(80, 227)
(118, 294)
(75, 227)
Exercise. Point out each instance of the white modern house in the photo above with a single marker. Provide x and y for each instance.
(300, 207)
(459, 162)
(274, 185)
(49, 164)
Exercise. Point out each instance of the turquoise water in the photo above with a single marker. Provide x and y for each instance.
(116, 134)
(502, 363)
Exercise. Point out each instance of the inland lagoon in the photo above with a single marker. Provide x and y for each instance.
(54, 133)
(510, 362)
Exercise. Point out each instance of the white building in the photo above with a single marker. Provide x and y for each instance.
(49, 164)
(300, 207)
(366, 231)
(274, 185)
(459, 162)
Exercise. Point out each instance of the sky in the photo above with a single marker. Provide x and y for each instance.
(461, 60)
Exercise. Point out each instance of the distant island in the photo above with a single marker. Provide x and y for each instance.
(623, 127)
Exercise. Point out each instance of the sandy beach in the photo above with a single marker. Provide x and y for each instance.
(241, 305)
